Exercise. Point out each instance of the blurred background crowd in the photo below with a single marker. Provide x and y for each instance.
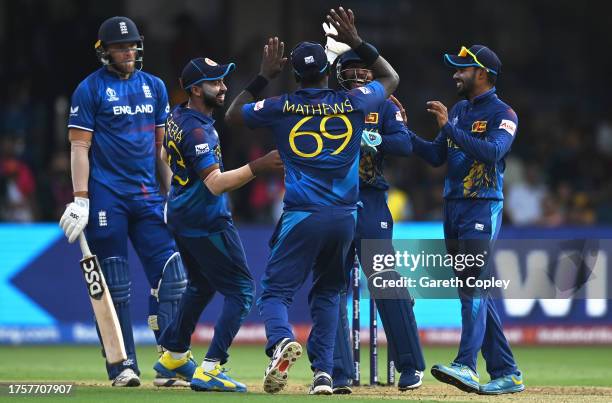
(556, 75)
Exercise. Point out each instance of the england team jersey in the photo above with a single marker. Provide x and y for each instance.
(318, 133)
(123, 115)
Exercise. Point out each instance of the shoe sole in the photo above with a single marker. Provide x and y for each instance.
(170, 383)
(451, 380)
(342, 390)
(276, 380)
(134, 382)
(504, 392)
(321, 390)
(410, 387)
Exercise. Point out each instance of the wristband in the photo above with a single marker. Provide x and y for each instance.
(367, 52)
(257, 85)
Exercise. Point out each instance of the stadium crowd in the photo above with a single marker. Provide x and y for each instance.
(557, 172)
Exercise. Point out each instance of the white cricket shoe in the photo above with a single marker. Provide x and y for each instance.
(286, 353)
(127, 378)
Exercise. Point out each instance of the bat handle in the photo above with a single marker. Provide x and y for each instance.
(84, 245)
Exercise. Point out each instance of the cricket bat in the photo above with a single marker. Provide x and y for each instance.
(102, 304)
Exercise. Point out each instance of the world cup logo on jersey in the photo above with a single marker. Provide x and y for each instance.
(111, 95)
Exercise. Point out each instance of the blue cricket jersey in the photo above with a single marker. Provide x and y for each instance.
(475, 141)
(387, 121)
(122, 114)
(318, 133)
(192, 144)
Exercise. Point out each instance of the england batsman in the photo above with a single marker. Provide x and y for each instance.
(199, 217)
(474, 139)
(116, 123)
(317, 131)
(386, 124)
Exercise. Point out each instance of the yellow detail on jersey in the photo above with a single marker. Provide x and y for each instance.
(179, 161)
(479, 177)
(295, 132)
(479, 126)
(318, 109)
(372, 118)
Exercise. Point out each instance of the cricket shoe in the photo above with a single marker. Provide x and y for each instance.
(216, 380)
(410, 380)
(458, 375)
(342, 386)
(506, 384)
(321, 384)
(173, 372)
(127, 378)
(286, 353)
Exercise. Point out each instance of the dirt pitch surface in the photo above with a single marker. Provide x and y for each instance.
(440, 393)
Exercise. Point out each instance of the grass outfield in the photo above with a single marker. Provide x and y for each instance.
(550, 373)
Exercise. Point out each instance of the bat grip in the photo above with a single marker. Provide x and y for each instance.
(84, 245)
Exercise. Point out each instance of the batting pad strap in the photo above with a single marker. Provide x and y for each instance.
(117, 278)
(367, 52)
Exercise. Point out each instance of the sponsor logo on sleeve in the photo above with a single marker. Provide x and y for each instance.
(202, 148)
(259, 105)
(365, 90)
(479, 126)
(74, 110)
(508, 126)
(372, 118)
(398, 116)
(167, 108)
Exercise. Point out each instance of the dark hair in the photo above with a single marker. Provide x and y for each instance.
(311, 78)
(491, 78)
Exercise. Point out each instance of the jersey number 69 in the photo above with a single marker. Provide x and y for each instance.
(295, 132)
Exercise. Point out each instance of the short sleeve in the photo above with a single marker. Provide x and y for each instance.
(163, 107)
(198, 149)
(261, 113)
(367, 98)
(83, 107)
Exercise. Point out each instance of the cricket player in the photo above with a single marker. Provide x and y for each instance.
(317, 131)
(201, 222)
(474, 139)
(116, 122)
(374, 221)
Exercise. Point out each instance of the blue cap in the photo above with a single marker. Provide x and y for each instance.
(475, 56)
(308, 58)
(204, 69)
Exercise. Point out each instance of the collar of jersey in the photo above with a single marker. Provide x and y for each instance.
(484, 96)
(199, 115)
(114, 76)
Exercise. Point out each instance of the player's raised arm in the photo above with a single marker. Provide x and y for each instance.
(272, 63)
(344, 22)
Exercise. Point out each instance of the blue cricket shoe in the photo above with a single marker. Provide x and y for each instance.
(215, 380)
(458, 375)
(173, 372)
(506, 384)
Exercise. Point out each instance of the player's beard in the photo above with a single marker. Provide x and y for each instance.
(466, 85)
(213, 100)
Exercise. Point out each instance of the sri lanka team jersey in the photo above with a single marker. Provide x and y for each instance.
(387, 121)
(318, 135)
(192, 144)
(122, 114)
(475, 141)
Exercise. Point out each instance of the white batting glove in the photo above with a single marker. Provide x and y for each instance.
(75, 218)
(333, 48)
(370, 140)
